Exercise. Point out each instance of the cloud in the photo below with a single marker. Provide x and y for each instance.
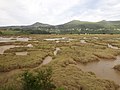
(18, 12)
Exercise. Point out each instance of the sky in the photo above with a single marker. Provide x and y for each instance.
(54, 12)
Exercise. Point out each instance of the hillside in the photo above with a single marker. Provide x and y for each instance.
(72, 27)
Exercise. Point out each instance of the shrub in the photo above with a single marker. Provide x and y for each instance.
(41, 81)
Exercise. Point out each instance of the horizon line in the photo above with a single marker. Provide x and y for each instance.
(53, 24)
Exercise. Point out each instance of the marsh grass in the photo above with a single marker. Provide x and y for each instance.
(72, 78)
(65, 72)
(10, 61)
(117, 67)
(88, 52)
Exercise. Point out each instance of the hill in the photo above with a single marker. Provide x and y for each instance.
(72, 27)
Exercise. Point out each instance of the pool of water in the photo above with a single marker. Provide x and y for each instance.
(11, 39)
(56, 51)
(3, 48)
(47, 60)
(21, 53)
(103, 69)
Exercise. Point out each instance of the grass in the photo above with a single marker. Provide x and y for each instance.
(65, 72)
(9, 32)
(10, 61)
(117, 67)
(88, 52)
(72, 78)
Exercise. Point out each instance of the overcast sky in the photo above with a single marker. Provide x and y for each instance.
(22, 12)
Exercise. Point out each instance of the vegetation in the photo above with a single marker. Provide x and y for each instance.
(72, 78)
(117, 67)
(65, 73)
(9, 32)
(41, 81)
(10, 61)
(1, 33)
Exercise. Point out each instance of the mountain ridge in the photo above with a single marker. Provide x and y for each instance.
(70, 22)
(74, 26)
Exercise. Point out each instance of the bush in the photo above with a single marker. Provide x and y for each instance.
(41, 81)
(1, 33)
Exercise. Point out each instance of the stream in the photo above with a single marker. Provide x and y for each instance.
(103, 69)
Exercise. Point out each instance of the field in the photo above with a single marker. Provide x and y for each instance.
(74, 50)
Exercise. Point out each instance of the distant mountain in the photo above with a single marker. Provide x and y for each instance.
(74, 26)
(109, 22)
(37, 24)
(113, 24)
(76, 22)
(80, 24)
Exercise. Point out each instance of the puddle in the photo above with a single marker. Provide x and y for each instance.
(3, 48)
(53, 39)
(47, 60)
(95, 37)
(103, 69)
(56, 51)
(64, 39)
(83, 41)
(21, 53)
(29, 45)
(11, 39)
(113, 47)
(57, 41)
(84, 38)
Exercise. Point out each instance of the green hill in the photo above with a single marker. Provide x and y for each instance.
(72, 27)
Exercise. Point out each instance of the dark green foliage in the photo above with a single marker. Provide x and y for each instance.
(35, 32)
(0, 32)
(39, 32)
(40, 81)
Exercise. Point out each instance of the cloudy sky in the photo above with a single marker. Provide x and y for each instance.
(23, 12)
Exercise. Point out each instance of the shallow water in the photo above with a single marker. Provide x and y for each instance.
(11, 39)
(47, 60)
(54, 39)
(103, 69)
(83, 41)
(3, 48)
(21, 53)
(56, 51)
(113, 47)
(60, 39)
